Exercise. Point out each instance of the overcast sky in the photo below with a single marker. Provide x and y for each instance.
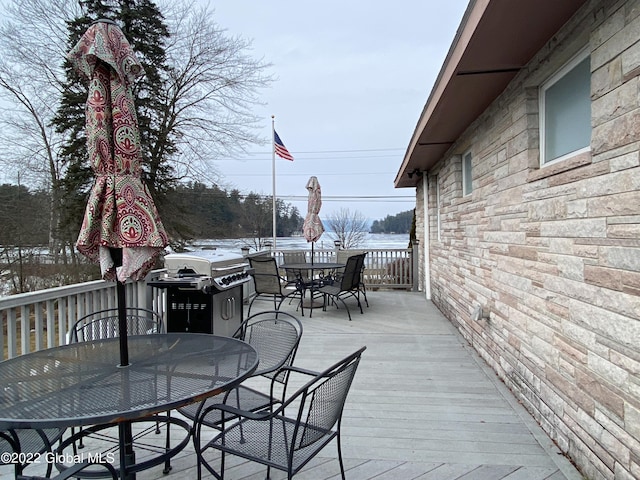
(352, 78)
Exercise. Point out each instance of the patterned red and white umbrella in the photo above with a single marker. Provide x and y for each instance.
(121, 228)
(312, 228)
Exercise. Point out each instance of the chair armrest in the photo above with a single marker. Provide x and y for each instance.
(290, 369)
(235, 412)
(294, 369)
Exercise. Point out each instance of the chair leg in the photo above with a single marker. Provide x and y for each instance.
(345, 306)
(302, 292)
(280, 304)
(364, 292)
(250, 305)
(340, 455)
(167, 462)
(80, 444)
(311, 302)
(358, 299)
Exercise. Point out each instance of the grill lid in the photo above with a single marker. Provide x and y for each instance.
(206, 262)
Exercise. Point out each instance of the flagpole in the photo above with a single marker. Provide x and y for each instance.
(273, 176)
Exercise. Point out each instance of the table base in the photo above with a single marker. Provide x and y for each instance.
(100, 442)
(312, 302)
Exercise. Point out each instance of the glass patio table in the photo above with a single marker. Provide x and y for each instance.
(316, 269)
(83, 384)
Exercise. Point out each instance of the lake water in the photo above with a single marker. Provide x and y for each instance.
(373, 240)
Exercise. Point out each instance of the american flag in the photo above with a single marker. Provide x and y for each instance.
(281, 150)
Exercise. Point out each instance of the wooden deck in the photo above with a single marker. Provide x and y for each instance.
(423, 405)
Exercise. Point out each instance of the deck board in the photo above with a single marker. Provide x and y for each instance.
(423, 405)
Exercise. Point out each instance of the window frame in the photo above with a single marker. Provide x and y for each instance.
(466, 174)
(546, 85)
(438, 206)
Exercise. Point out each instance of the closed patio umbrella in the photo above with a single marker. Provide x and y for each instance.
(312, 228)
(121, 229)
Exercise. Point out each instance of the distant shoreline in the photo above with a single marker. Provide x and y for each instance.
(374, 240)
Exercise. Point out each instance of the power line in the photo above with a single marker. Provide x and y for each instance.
(267, 155)
(327, 198)
(337, 151)
(353, 199)
(304, 174)
(298, 158)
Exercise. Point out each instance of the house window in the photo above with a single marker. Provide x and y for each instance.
(565, 111)
(467, 177)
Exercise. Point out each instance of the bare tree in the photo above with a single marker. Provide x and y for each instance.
(348, 227)
(31, 77)
(211, 93)
(207, 103)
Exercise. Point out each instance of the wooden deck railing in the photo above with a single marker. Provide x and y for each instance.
(37, 320)
(384, 268)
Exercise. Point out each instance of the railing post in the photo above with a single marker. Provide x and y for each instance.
(415, 276)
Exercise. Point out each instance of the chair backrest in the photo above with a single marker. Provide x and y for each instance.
(361, 266)
(275, 336)
(351, 275)
(343, 255)
(265, 275)
(295, 257)
(322, 400)
(105, 324)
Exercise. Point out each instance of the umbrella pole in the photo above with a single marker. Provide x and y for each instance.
(127, 455)
(116, 257)
(312, 252)
(122, 324)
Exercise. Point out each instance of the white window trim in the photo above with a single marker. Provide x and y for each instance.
(566, 68)
(465, 173)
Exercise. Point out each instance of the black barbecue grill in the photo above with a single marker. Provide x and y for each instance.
(204, 291)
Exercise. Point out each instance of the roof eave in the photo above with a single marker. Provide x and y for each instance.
(496, 38)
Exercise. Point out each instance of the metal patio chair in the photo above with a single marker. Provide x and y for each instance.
(105, 324)
(268, 282)
(292, 275)
(29, 444)
(342, 256)
(275, 336)
(347, 284)
(300, 278)
(288, 437)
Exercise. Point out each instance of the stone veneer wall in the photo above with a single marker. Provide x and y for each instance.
(554, 253)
